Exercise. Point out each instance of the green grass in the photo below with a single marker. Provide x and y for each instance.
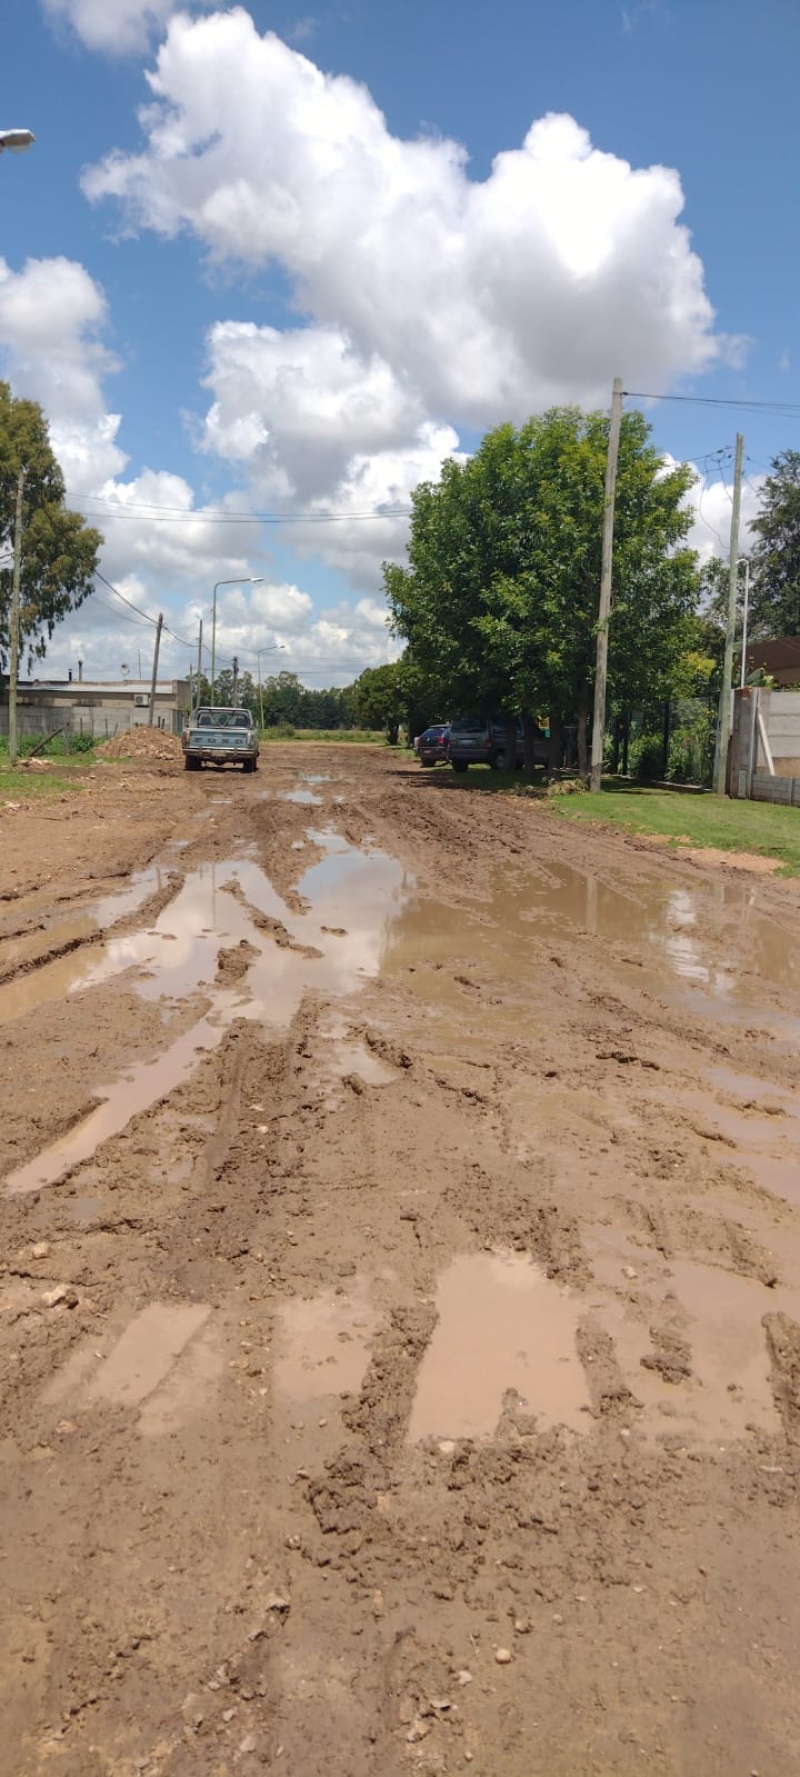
(26, 782)
(355, 736)
(686, 817)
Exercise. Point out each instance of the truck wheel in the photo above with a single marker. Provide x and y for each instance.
(460, 764)
(190, 764)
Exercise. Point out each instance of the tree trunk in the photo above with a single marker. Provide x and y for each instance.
(665, 755)
(626, 737)
(510, 742)
(392, 732)
(556, 750)
(583, 750)
(528, 739)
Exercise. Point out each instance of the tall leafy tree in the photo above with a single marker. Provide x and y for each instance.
(379, 698)
(59, 550)
(500, 595)
(775, 585)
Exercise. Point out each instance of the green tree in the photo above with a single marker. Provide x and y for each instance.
(775, 582)
(499, 600)
(59, 551)
(380, 700)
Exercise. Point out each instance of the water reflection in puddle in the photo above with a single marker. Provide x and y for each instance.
(64, 974)
(143, 1087)
(354, 899)
(680, 959)
(502, 1325)
(306, 798)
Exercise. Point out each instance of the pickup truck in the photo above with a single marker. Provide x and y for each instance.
(220, 736)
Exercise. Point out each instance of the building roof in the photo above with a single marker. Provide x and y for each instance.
(119, 687)
(780, 658)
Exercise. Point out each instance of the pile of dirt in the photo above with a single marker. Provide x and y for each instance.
(142, 743)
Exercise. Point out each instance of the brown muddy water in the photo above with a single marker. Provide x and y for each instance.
(362, 914)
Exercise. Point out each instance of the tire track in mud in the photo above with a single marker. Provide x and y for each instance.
(257, 1555)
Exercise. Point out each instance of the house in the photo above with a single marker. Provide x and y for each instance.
(99, 707)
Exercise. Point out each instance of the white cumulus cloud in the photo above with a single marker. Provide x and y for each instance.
(486, 299)
(121, 27)
(711, 502)
(52, 320)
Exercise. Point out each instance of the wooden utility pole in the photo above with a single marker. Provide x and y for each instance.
(13, 626)
(235, 678)
(151, 711)
(724, 717)
(199, 664)
(604, 614)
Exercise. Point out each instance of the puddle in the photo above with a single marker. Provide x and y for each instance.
(752, 1089)
(323, 1344)
(675, 957)
(358, 894)
(164, 1363)
(356, 1058)
(305, 797)
(502, 1325)
(146, 1083)
(65, 974)
(145, 1353)
(15, 953)
(719, 1316)
(716, 1315)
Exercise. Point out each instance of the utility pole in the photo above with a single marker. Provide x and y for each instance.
(236, 678)
(151, 711)
(745, 619)
(604, 614)
(724, 717)
(13, 626)
(199, 664)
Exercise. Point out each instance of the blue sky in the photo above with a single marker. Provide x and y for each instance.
(302, 276)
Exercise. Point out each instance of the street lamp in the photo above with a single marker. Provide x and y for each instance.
(16, 140)
(243, 580)
(275, 648)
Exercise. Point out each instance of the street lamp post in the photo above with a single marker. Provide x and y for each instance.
(242, 580)
(16, 140)
(276, 648)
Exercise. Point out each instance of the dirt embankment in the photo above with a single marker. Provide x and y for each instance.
(400, 1370)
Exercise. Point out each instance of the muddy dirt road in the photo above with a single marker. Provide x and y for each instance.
(400, 1290)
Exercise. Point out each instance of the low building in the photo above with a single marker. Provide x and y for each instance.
(96, 707)
(778, 660)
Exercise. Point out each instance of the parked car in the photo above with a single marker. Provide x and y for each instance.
(481, 740)
(220, 736)
(433, 747)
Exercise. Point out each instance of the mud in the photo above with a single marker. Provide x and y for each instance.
(401, 1269)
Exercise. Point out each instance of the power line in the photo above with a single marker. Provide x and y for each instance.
(744, 405)
(173, 515)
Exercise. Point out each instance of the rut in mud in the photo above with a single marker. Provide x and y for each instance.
(400, 1313)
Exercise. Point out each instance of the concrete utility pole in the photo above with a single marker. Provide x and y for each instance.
(604, 614)
(13, 625)
(196, 699)
(724, 718)
(745, 619)
(151, 711)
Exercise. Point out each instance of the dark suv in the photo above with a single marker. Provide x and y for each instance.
(481, 740)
